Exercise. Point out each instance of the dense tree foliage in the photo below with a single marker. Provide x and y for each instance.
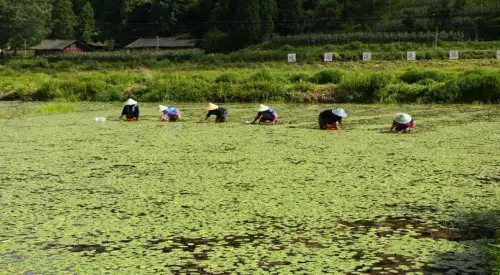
(86, 27)
(64, 20)
(24, 22)
(232, 24)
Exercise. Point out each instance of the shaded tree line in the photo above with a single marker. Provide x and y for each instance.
(226, 25)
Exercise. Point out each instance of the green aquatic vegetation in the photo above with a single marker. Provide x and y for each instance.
(139, 198)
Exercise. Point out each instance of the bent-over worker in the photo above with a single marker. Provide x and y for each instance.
(331, 119)
(219, 112)
(130, 110)
(403, 123)
(266, 115)
(169, 113)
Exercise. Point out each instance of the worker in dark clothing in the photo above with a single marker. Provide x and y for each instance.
(331, 119)
(130, 110)
(219, 112)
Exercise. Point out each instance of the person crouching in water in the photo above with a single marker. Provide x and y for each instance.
(219, 112)
(331, 119)
(169, 113)
(130, 110)
(403, 123)
(266, 115)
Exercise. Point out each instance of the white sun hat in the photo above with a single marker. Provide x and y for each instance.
(212, 107)
(261, 108)
(130, 102)
(339, 112)
(162, 108)
(402, 118)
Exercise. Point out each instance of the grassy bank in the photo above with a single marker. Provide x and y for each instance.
(390, 82)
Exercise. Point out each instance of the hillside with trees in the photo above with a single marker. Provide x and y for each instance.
(226, 25)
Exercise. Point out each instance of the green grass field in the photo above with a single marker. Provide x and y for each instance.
(81, 197)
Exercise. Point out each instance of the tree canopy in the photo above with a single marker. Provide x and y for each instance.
(233, 24)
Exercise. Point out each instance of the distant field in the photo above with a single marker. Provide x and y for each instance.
(81, 197)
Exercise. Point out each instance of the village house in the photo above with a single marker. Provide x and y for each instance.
(162, 43)
(60, 47)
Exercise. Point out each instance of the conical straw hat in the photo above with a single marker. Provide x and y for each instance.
(261, 108)
(212, 106)
(339, 112)
(130, 102)
(402, 118)
(162, 108)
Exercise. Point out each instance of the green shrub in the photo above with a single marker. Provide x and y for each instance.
(328, 76)
(437, 92)
(493, 255)
(182, 89)
(354, 46)
(416, 75)
(364, 88)
(299, 77)
(225, 92)
(48, 91)
(303, 87)
(398, 92)
(226, 78)
(111, 94)
(264, 75)
(479, 86)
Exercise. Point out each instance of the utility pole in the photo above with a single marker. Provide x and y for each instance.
(157, 43)
(437, 33)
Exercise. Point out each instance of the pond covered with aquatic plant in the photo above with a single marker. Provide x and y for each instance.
(81, 197)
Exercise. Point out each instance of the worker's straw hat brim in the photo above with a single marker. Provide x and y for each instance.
(212, 107)
(130, 102)
(261, 108)
(339, 112)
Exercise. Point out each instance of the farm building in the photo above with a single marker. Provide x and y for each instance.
(98, 47)
(162, 43)
(60, 47)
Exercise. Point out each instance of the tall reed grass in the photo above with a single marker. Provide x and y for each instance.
(329, 85)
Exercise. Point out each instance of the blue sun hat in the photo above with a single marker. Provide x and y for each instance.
(339, 112)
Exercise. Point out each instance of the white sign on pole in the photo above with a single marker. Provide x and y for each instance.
(328, 57)
(367, 56)
(498, 54)
(453, 55)
(411, 56)
(292, 57)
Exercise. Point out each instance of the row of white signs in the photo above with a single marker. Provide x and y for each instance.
(328, 57)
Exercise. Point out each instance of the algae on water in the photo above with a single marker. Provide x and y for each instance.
(136, 198)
